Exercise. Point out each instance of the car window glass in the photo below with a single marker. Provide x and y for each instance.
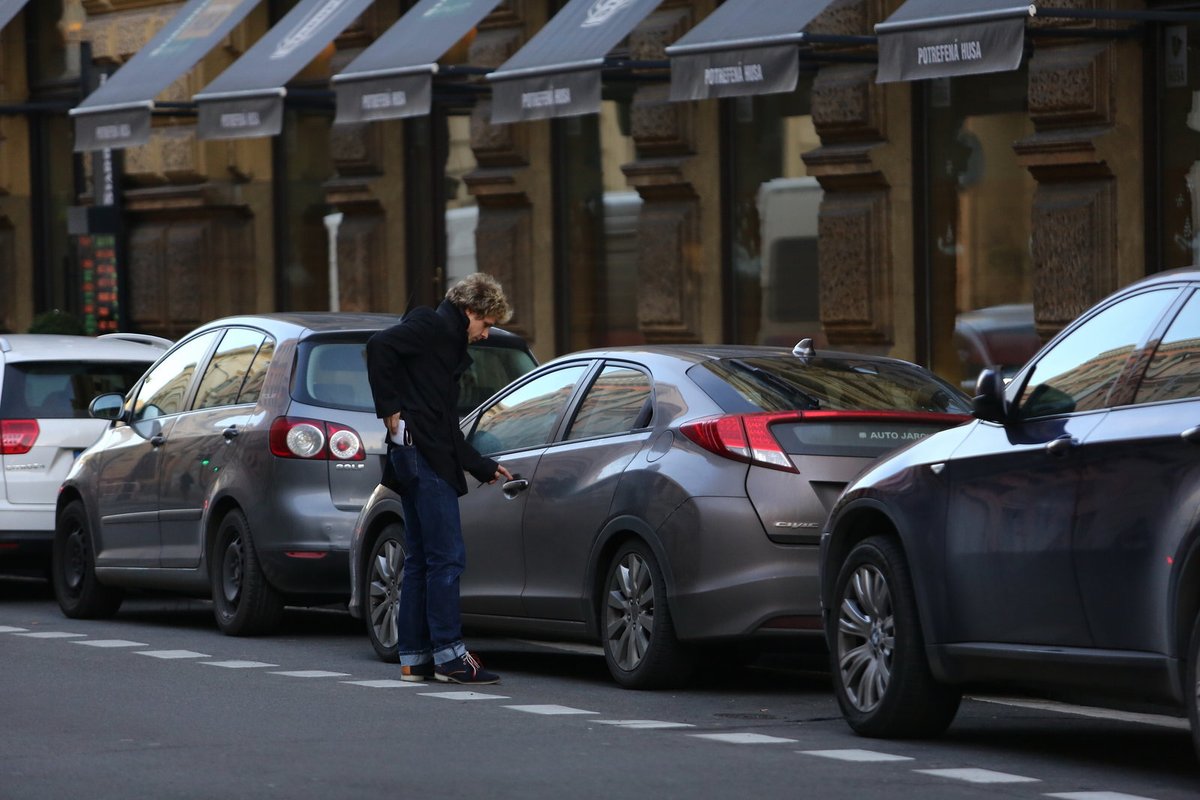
(1174, 370)
(227, 369)
(614, 404)
(526, 416)
(335, 374)
(60, 389)
(1078, 372)
(252, 386)
(492, 368)
(165, 387)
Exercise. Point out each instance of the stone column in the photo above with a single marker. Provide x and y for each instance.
(1088, 221)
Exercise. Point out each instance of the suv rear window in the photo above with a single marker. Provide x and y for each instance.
(62, 390)
(785, 383)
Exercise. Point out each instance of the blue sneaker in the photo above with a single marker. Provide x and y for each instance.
(417, 672)
(465, 670)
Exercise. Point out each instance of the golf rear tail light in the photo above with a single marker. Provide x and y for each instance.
(17, 436)
(744, 437)
(295, 437)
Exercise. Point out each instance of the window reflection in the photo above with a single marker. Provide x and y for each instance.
(616, 403)
(165, 387)
(526, 417)
(222, 380)
(1174, 371)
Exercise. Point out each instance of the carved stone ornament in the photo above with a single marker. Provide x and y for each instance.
(504, 249)
(1071, 85)
(668, 272)
(855, 268)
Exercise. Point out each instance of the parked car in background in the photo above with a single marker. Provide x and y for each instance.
(46, 383)
(1004, 337)
(1050, 545)
(661, 497)
(235, 469)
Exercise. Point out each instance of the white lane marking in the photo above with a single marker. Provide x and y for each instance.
(11, 629)
(566, 647)
(311, 673)
(642, 724)
(384, 684)
(50, 635)
(239, 664)
(464, 696)
(742, 738)
(112, 643)
(854, 755)
(170, 654)
(1098, 796)
(974, 775)
(551, 710)
(1160, 720)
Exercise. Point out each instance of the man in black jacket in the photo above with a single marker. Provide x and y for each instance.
(414, 369)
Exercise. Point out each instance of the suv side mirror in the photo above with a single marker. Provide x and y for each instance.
(988, 402)
(107, 406)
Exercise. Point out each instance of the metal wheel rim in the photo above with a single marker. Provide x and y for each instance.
(75, 562)
(231, 571)
(866, 638)
(383, 592)
(629, 611)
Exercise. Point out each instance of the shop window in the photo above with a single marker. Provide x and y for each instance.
(302, 239)
(978, 205)
(596, 222)
(1179, 147)
(773, 211)
(462, 210)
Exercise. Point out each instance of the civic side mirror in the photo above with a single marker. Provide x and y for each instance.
(988, 402)
(107, 406)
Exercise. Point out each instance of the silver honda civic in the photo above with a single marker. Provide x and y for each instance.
(663, 497)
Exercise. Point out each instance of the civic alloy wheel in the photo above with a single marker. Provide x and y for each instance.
(629, 615)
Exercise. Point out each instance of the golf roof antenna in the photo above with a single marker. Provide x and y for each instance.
(804, 349)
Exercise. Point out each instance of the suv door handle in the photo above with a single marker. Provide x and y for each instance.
(1062, 445)
(230, 433)
(1191, 435)
(158, 440)
(514, 487)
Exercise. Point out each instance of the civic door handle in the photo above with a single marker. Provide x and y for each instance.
(158, 440)
(230, 433)
(1062, 445)
(1191, 435)
(514, 487)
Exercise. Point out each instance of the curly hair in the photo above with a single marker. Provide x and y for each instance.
(482, 294)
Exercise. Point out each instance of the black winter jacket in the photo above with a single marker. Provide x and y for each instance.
(413, 368)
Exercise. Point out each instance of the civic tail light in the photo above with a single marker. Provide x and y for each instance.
(296, 437)
(744, 437)
(17, 436)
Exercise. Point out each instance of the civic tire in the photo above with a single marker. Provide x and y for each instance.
(1192, 688)
(73, 567)
(880, 673)
(244, 603)
(638, 633)
(381, 590)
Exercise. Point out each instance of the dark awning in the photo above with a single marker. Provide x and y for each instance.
(247, 99)
(9, 9)
(744, 47)
(557, 74)
(925, 39)
(118, 113)
(394, 76)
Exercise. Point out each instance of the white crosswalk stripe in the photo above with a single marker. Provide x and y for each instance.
(464, 696)
(11, 629)
(51, 635)
(311, 673)
(172, 654)
(551, 710)
(742, 738)
(1097, 796)
(111, 643)
(384, 684)
(974, 775)
(239, 664)
(642, 724)
(854, 755)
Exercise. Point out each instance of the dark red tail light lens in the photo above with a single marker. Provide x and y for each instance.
(297, 437)
(17, 436)
(744, 437)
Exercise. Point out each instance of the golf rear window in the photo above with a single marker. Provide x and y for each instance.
(62, 390)
(333, 373)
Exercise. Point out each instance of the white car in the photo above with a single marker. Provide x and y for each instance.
(46, 384)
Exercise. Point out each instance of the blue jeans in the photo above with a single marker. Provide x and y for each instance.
(428, 623)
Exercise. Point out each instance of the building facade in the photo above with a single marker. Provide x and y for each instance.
(954, 220)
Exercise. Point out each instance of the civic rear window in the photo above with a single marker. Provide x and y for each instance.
(788, 383)
(62, 390)
(333, 373)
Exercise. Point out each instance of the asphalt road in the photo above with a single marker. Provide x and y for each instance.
(156, 703)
